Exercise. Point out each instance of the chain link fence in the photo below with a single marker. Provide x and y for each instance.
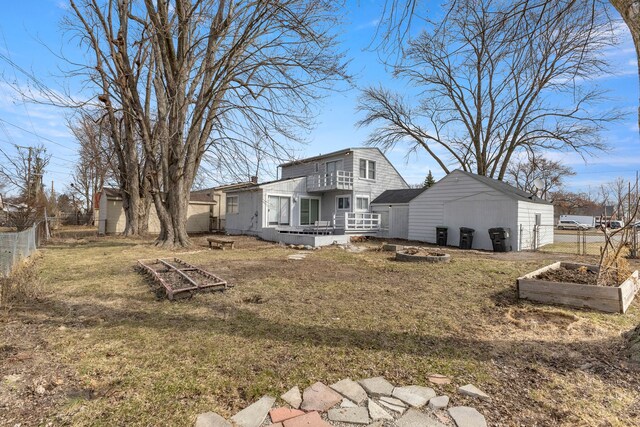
(584, 242)
(15, 246)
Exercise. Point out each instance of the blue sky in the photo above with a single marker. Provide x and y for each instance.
(27, 26)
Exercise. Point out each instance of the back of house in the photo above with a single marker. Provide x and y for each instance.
(335, 188)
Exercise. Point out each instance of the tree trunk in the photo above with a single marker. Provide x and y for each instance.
(630, 11)
(173, 207)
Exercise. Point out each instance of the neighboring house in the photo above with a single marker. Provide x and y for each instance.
(332, 190)
(112, 218)
(393, 207)
(463, 199)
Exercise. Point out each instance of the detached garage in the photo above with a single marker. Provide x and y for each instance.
(463, 199)
(112, 218)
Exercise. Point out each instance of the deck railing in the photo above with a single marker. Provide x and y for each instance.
(361, 221)
(338, 180)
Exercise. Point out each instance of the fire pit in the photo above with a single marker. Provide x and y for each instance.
(422, 255)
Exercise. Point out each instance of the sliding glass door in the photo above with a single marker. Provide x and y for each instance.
(278, 210)
(309, 211)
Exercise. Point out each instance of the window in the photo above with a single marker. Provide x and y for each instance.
(367, 169)
(343, 202)
(309, 211)
(278, 210)
(316, 167)
(232, 204)
(362, 203)
(332, 167)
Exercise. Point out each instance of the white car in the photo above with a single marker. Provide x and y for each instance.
(569, 224)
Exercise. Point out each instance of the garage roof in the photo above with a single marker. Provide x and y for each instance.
(398, 196)
(506, 189)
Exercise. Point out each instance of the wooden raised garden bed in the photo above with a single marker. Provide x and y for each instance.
(611, 299)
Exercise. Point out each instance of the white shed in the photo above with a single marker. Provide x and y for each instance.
(393, 207)
(463, 199)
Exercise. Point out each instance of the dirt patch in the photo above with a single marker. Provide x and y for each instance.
(583, 276)
(534, 318)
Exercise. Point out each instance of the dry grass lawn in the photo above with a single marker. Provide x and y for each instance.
(97, 348)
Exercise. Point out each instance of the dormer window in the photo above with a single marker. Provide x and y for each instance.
(367, 169)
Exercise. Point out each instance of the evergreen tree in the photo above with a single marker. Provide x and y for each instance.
(429, 181)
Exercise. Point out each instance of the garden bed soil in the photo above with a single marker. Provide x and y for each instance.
(574, 285)
(583, 276)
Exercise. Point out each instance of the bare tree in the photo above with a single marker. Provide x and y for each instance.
(616, 194)
(397, 17)
(94, 164)
(523, 173)
(24, 171)
(568, 203)
(485, 93)
(630, 12)
(188, 75)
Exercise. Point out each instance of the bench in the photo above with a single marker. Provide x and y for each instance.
(220, 243)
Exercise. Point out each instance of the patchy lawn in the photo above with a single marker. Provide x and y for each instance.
(98, 348)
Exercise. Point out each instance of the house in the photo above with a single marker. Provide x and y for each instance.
(393, 207)
(218, 195)
(333, 191)
(112, 218)
(463, 199)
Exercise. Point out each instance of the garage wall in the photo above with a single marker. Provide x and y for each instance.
(481, 212)
(112, 215)
(527, 220)
(427, 210)
(198, 218)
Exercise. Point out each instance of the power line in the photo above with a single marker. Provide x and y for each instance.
(35, 134)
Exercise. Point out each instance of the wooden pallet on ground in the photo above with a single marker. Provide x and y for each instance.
(178, 279)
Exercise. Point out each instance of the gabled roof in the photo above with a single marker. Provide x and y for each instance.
(504, 188)
(322, 156)
(398, 196)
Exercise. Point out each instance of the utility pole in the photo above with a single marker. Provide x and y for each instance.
(29, 177)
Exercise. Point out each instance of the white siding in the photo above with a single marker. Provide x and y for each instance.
(427, 210)
(248, 220)
(308, 168)
(526, 221)
(395, 220)
(387, 178)
(481, 212)
(459, 200)
(292, 188)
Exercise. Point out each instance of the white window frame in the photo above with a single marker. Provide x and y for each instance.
(368, 169)
(362, 196)
(344, 196)
(319, 199)
(266, 217)
(236, 204)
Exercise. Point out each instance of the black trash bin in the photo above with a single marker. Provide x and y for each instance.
(441, 236)
(500, 239)
(466, 237)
